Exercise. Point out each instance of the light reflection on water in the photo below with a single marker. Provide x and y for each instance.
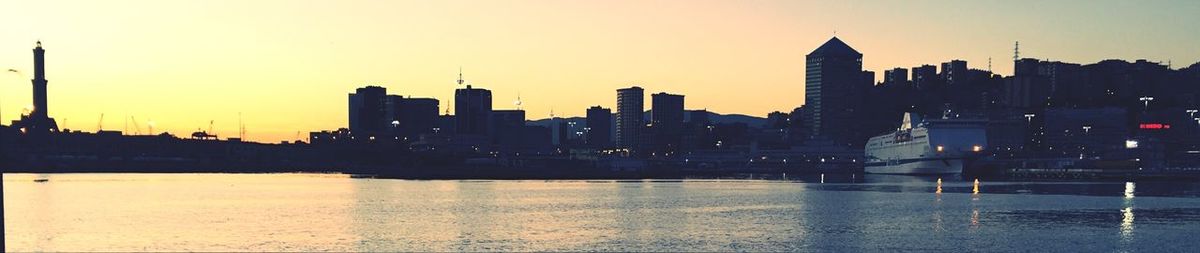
(311, 212)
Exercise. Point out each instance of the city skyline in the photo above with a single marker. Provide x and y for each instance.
(252, 65)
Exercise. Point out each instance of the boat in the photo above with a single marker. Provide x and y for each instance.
(926, 147)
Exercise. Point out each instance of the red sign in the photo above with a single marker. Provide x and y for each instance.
(1154, 126)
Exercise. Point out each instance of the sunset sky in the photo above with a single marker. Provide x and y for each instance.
(287, 66)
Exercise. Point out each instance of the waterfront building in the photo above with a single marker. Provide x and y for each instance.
(629, 117)
(598, 130)
(834, 85)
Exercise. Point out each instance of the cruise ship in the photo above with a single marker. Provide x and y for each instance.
(940, 146)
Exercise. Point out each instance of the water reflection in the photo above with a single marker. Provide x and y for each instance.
(1127, 224)
(1129, 189)
(124, 212)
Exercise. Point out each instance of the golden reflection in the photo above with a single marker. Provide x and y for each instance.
(1129, 189)
(937, 212)
(974, 218)
(1127, 224)
(976, 188)
(939, 187)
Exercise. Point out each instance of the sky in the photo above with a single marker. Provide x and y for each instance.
(286, 66)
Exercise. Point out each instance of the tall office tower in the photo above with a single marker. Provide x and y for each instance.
(833, 80)
(368, 110)
(666, 120)
(473, 111)
(629, 117)
(599, 127)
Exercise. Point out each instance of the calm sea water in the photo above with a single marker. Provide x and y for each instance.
(316, 212)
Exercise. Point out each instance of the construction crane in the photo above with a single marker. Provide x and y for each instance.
(137, 128)
(100, 125)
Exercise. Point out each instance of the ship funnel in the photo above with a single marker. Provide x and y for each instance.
(910, 119)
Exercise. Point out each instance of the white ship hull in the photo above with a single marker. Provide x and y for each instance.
(933, 166)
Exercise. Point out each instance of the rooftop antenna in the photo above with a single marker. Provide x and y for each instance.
(210, 126)
(241, 127)
(100, 124)
(518, 103)
(989, 64)
(1017, 51)
(460, 78)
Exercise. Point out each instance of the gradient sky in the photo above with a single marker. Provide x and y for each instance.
(287, 66)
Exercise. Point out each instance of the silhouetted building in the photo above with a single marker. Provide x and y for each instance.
(666, 117)
(834, 83)
(508, 126)
(38, 121)
(599, 127)
(954, 72)
(924, 77)
(368, 111)
(472, 110)
(629, 120)
(896, 76)
(1086, 132)
(412, 117)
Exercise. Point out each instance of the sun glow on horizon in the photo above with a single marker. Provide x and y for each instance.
(286, 66)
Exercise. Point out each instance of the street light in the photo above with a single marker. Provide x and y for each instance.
(1146, 101)
(1029, 117)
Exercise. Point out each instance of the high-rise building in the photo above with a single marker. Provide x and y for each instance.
(666, 120)
(368, 109)
(630, 103)
(599, 127)
(833, 89)
(473, 111)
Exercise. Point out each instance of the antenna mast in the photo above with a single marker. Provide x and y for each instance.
(1017, 51)
(460, 78)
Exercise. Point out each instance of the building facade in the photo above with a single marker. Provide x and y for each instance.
(630, 104)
